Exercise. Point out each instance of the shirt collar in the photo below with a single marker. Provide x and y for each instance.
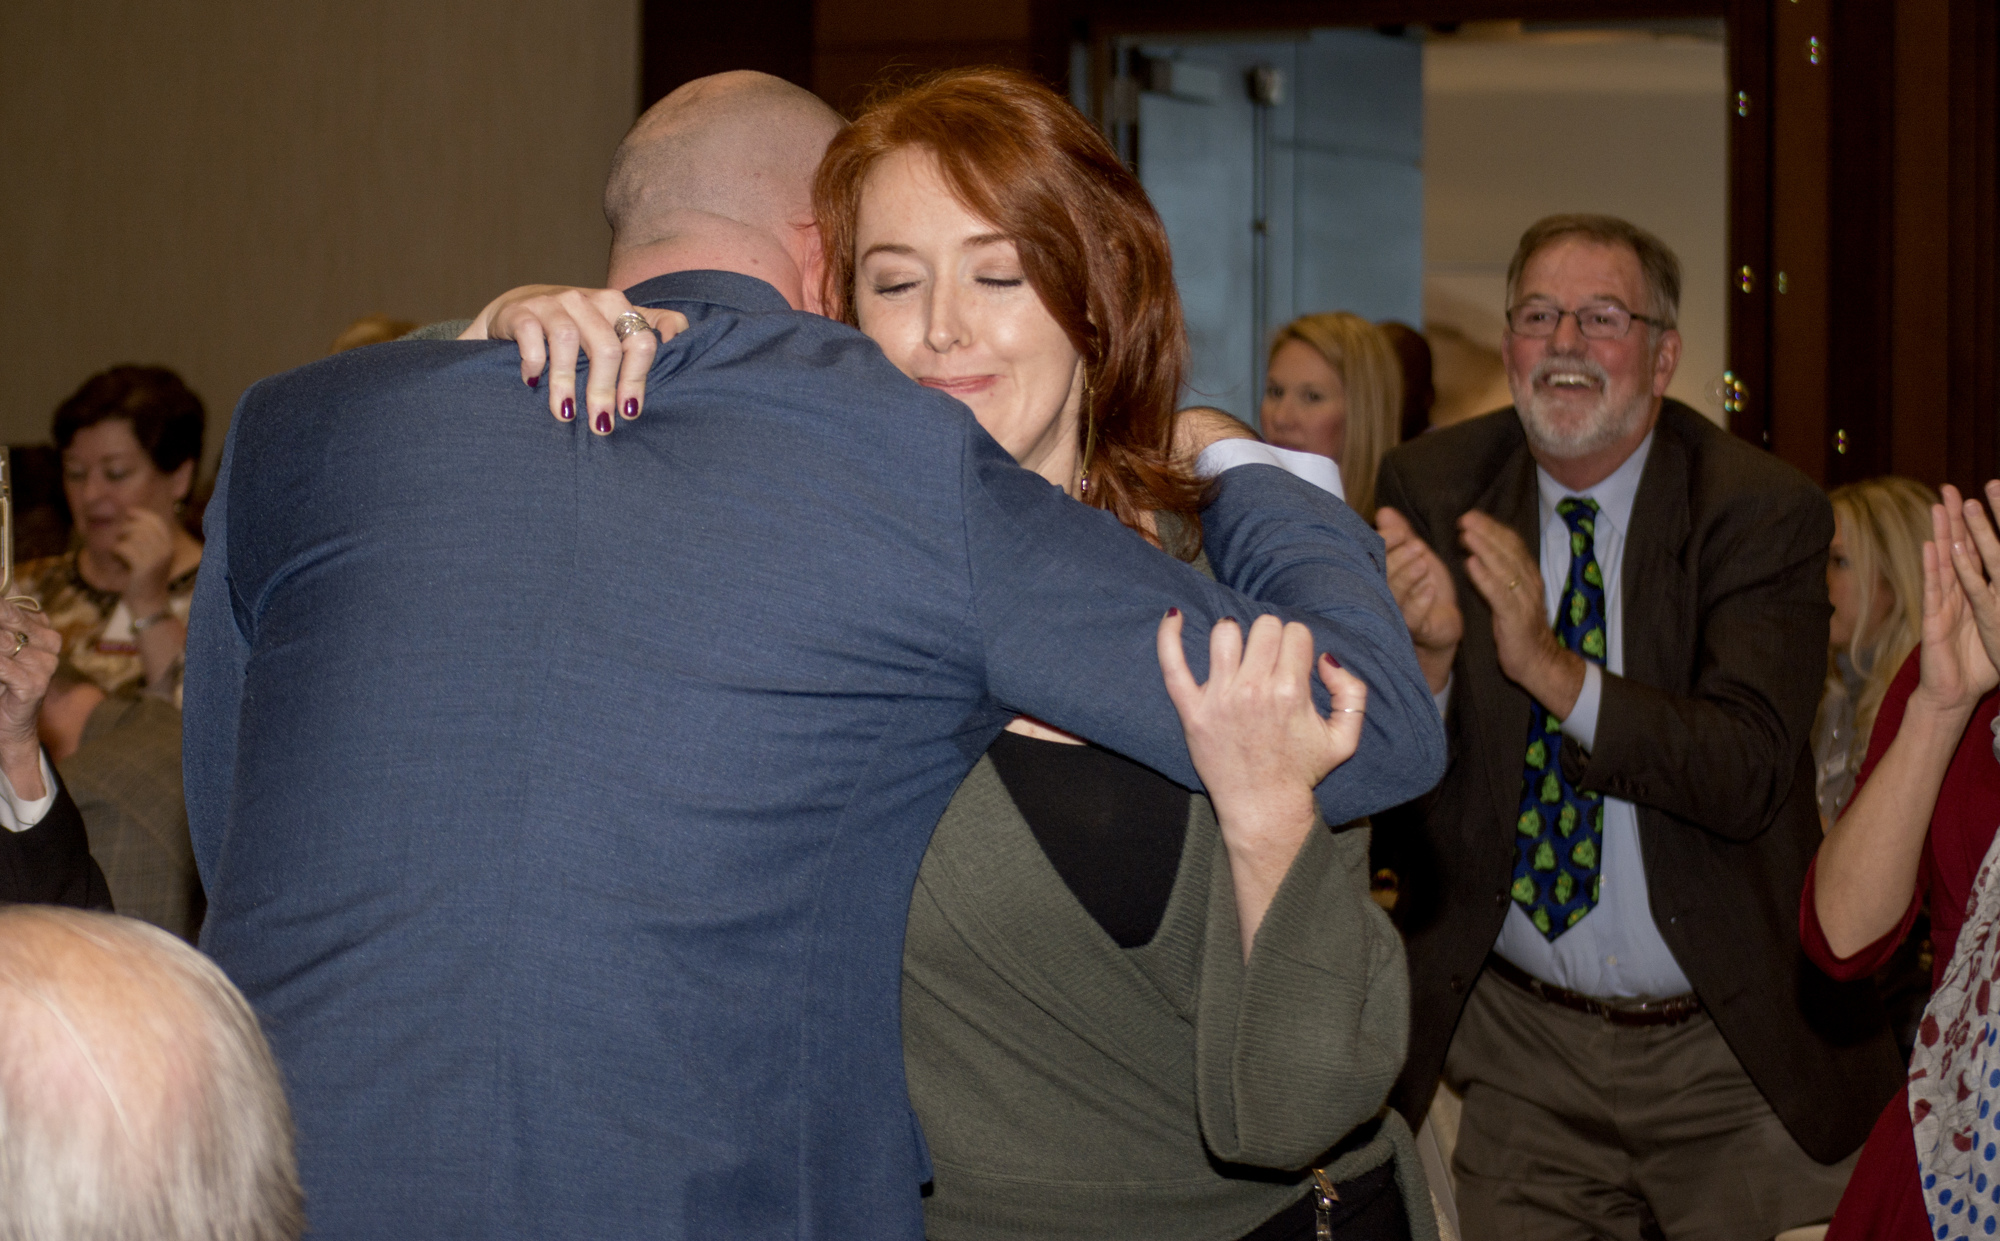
(720, 288)
(1614, 495)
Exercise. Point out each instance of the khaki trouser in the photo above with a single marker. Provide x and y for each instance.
(1574, 1127)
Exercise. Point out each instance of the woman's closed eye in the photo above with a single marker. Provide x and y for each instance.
(894, 288)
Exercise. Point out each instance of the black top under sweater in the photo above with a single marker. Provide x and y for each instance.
(1112, 828)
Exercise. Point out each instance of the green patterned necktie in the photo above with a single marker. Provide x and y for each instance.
(1559, 838)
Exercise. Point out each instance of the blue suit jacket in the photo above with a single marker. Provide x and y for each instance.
(559, 797)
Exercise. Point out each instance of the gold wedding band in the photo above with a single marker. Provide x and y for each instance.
(1351, 710)
(20, 641)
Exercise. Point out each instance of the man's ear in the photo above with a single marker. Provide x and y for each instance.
(1666, 359)
(809, 252)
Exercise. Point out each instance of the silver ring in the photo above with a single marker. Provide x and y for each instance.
(20, 642)
(629, 322)
(1351, 710)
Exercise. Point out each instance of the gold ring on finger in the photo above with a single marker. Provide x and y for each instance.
(20, 641)
(1513, 584)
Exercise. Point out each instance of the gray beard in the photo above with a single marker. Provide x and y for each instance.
(1602, 427)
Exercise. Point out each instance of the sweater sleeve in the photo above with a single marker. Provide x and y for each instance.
(1302, 1044)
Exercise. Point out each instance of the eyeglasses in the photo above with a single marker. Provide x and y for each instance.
(1607, 321)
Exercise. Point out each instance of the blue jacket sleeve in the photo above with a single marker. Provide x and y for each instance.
(1305, 555)
(211, 696)
(1068, 603)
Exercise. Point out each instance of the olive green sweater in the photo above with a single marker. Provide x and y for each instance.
(1072, 1088)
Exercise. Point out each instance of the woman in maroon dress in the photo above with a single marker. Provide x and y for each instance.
(1922, 819)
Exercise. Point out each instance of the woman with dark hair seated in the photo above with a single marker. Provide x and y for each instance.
(1127, 1011)
(130, 440)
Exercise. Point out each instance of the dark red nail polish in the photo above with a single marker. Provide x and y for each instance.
(1173, 611)
(568, 409)
(534, 381)
(1330, 659)
(631, 407)
(604, 422)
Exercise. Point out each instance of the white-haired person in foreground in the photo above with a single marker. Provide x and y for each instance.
(137, 1096)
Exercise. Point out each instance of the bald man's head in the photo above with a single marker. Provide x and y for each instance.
(739, 147)
(137, 1095)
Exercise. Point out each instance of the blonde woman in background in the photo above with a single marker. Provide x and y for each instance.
(1334, 387)
(1875, 578)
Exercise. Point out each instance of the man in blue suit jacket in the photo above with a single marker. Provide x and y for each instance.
(559, 796)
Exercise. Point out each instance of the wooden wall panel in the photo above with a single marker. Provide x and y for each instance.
(1973, 431)
(861, 44)
(1799, 233)
(1750, 301)
(1920, 394)
(1859, 70)
(682, 42)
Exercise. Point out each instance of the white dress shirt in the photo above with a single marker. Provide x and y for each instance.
(1230, 453)
(1616, 950)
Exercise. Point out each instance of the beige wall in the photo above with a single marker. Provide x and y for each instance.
(1521, 128)
(222, 185)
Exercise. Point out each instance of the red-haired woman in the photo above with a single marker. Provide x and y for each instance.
(1125, 1014)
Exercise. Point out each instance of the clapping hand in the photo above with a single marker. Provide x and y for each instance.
(1975, 561)
(1424, 592)
(1509, 577)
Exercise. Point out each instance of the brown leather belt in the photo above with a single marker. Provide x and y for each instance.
(1671, 1011)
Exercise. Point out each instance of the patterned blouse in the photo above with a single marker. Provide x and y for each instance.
(96, 626)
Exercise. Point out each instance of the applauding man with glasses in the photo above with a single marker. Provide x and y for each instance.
(1622, 610)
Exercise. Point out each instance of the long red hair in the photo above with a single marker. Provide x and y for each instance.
(1021, 158)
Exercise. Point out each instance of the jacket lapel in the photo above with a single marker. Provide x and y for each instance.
(1658, 604)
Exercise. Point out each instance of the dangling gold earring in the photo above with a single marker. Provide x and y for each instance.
(1089, 439)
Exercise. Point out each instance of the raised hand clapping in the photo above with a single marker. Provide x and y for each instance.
(1975, 560)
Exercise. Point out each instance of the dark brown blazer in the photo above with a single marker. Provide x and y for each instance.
(1725, 633)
